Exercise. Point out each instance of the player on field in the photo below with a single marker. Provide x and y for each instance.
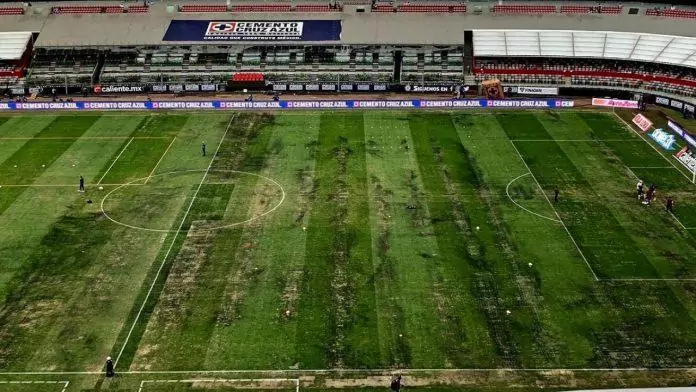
(203, 148)
(639, 189)
(555, 195)
(82, 185)
(669, 204)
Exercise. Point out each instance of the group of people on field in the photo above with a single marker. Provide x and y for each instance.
(647, 197)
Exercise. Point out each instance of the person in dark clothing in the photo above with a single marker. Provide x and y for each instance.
(203, 148)
(639, 189)
(669, 204)
(555, 195)
(396, 384)
(109, 367)
(82, 184)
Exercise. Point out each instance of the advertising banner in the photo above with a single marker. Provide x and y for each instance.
(615, 103)
(664, 139)
(411, 88)
(537, 90)
(253, 30)
(682, 133)
(99, 89)
(642, 122)
(675, 103)
(685, 158)
(333, 104)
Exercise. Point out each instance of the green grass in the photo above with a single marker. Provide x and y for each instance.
(402, 242)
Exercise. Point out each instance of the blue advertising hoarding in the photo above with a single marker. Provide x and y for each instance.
(253, 30)
(329, 104)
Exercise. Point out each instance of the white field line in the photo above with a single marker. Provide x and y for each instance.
(555, 212)
(567, 140)
(81, 137)
(296, 381)
(114, 162)
(650, 167)
(368, 371)
(64, 383)
(171, 245)
(651, 145)
(158, 162)
(651, 279)
(507, 191)
(56, 185)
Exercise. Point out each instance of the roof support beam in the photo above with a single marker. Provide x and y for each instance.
(688, 57)
(572, 39)
(663, 49)
(539, 42)
(604, 48)
(630, 55)
(505, 42)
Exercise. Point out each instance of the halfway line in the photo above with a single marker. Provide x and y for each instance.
(158, 162)
(171, 245)
(114, 162)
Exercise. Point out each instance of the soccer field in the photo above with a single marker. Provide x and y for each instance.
(308, 241)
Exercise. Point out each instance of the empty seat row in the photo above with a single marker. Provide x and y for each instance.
(575, 9)
(89, 9)
(671, 13)
(203, 8)
(262, 8)
(11, 11)
(420, 8)
(248, 77)
(525, 9)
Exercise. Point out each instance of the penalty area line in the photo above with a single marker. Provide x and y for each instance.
(64, 383)
(158, 162)
(171, 245)
(114, 162)
(554, 211)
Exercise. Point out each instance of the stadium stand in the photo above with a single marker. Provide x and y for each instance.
(431, 8)
(248, 77)
(575, 9)
(524, 9)
(89, 9)
(671, 13)
(11, 11)
(203, 8)
(262, 8)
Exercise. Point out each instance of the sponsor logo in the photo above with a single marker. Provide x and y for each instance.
(379, 87)
(427, 89)
(159, 88)
(642, 122)
(383, 104)
(677, 104)
(363, 87)
(175, 88)
(115, 105)
(328, 87)
(311, 87)
(615, 103)
(98, 89)
(182, 105)
(689, 108)
(662, 101)
(208, 87)
(664, 139)
(280, 87)
(317, 104)
(347, 87)
(296, 87)
(537, 90)
(686, 159)
(192, 87)
(272, 30)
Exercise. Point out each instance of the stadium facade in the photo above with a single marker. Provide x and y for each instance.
(533, 49)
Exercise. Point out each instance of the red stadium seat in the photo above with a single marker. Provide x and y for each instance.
(671, 13)
(203, 8)
(431, 8)
(78, 9)
(248, 77)
(314, 8)
(383, 8)
(262, 8)
(610, 10)
(525, 9)
(137, 9)
(11, 11)
(575, 9)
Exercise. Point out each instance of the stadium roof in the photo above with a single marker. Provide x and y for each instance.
(13, 44)
(358, 28)
(658, 48)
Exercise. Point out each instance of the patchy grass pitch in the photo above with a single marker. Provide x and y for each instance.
(322, 240)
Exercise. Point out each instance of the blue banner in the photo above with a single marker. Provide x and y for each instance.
(253, 30)
(664, 139)
(238, 105)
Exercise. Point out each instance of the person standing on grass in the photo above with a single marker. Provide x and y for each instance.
(203, 148)
(82, 185)
(396, 384)
(669, 205)
(109, 367)
(639, 189)
(555, 195)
